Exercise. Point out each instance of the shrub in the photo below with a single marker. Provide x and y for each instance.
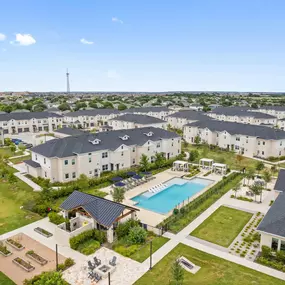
(89, 247)
(100, 236)
(137, 235)
(266, 251)
(56, 218)
(175, 211)
(280, 256)
(49, 277)
(127, 251)
(77, 240)
(123, 229)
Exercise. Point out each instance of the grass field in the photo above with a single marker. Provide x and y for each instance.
(6, 151)
(20, 159)
(230, 158)
(12, 198)
(223, 226)
(4, 280)
(214, 271)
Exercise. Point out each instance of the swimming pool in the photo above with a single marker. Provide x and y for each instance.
(177, 190)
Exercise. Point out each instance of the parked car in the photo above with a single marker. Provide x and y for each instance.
(28, 145)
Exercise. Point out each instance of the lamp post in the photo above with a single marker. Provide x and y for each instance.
(56, 257)
(109, 278)
(150, 256)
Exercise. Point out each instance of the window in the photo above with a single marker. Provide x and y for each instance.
(263, 143)
(122, 147)
(45, 161)
(90, 172)
(281, 143)
(66, 162)
(274, 244)
(89, 159)
(122, 153)
(104, 154)
(134, 149)
(158, 145)
(134, 161)
(172, 144)
(148, 148)
(258, 143)
(73, 175)
(66, 175)
(73, 161)
(237, 139)
(36, 157)
(105, 167)
(45, 174)
(282, 246)
(152, 159)
(262, 152)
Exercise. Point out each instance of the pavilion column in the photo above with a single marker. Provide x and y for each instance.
(133, 215)
(110, 235)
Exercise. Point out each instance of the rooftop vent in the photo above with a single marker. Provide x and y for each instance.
(149, 134)
(95, 141)
(125, 137)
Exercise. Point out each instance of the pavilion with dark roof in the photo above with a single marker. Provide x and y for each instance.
(98, 212)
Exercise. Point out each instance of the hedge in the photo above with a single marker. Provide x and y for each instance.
(56, 218)
(100, 236)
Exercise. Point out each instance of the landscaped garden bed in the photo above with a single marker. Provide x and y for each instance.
(247, 244)
(23, 264)
(4, 250)
(14, 244)
(192, 172)
(223, 226)
(37, 258)
(43, 232)
(214, 270)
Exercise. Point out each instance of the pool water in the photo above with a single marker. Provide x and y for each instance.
(177, 191)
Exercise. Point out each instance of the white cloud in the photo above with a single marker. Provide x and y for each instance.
(113, 74)
(2, 37)
(115, 19)
(85, 42)
(24, 40)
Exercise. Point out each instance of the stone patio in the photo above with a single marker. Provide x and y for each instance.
(126, 271)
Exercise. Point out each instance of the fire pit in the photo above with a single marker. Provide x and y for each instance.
(104, 269)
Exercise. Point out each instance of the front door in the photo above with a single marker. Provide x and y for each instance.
(112, 166)
(118, 166)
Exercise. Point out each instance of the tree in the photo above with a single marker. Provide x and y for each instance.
(177, 273)
(12, 148)
(249, 174)
(144, 162)
(256, 189)
(82, 182)
(236, 188)
(197, 140)
(118, 194)
(267, 177)
(259, 166)
(193, 155)
(159, 160)
(122, 107)
(64, 107)
(21, 147)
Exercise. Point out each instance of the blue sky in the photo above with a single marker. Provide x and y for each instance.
(142, 45)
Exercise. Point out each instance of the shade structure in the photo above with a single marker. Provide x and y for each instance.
(117, 178)
(137, 177)
(120, 184)
(131, 173)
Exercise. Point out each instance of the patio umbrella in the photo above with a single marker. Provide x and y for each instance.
(146, 173)
(120, 184)
(117, 178)
(131, 173)
(137, 177)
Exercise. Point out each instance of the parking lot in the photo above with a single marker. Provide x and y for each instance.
(34, 139)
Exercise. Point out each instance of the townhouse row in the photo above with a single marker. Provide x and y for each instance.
(91, 154)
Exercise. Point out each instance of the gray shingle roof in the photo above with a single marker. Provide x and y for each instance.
(238, 111)
(70, 131)
(276, 108)
(190, 115)
(32, 163)
(146, 110)
(93, 112)
(28, 116)
(240, 129)
(274, 220)
(104, 211)
(108, 141)
(139, 119)
(280, 183)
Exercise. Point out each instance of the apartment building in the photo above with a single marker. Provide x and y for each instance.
(14, 123)
(131, 121)
(248, 140)
(179, 119)
(90, 118)
(91, 154)
(241, 115)
(157, 112)
(276, 111)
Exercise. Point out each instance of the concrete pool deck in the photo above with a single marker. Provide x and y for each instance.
(152, 218)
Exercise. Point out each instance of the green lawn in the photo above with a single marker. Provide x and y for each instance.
(6, 151)
(223, 226)
(214, 271)
(12, 198)
(230, 158)
(4, 280)
(20, 159)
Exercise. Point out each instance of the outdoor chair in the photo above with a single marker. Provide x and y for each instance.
(91, 266)
(113, 261)
(97, 261)
(97, 277)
